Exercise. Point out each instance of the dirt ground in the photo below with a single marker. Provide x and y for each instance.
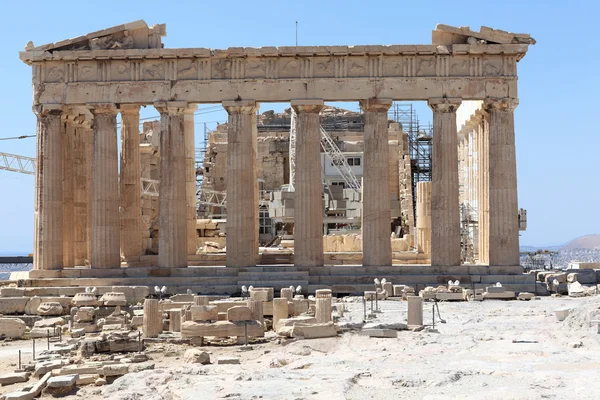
(491, 350)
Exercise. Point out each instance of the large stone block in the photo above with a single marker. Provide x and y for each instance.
(204, 313)
(262, 294)
(32, 305)
(13, 305)
(49, 322)
(220, 329)
(115, 370)
(12, 291)
(114, 299)
(84, 314)
(314, 331)
(239, 313)
(50, 308)
(12, 328)
(15, 377)
(85, 299)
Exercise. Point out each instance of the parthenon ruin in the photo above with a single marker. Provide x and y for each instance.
(88, 207)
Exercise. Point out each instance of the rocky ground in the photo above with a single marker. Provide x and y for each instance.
(490, 349)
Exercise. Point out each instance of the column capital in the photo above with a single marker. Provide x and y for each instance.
(102, 108)
(444, 104)
(505, 104)
(42, 110)
(240, 106)
(191, 109)
(375, 105)
(308, 105)
(171, 107)
(129, 109)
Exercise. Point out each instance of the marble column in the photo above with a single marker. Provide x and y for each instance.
(172, 224)
(503, 201)
(424, 217)
(308, 211)
(445, 211)
(190, 177)
(48, 204)
(130, 184)
(82, 191)
(68, 193)
(376, 228)
(105, 188)
(242, 188)
(483, 180)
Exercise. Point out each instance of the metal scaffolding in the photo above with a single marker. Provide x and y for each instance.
(419, 144)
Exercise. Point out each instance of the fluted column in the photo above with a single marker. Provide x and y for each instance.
(82, 191)
(130, 184)
(503, 201)
(445, 212)
(308, 210)
(190, 177)
(172, 223)
(68, 194)
(483, 180)
(424, 217)
(48, 204)
(376, 228)
(242, 188)
(105, 188)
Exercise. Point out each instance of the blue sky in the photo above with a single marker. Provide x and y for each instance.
(557, 133)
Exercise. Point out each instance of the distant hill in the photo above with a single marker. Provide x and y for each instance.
(588, 242)
(536, 248)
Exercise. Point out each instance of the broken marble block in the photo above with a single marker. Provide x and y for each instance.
(59, 386)
(14, 377)
(84, 299)
(12, 328)
(50, 308)
(195, 356)
(114, 299)
(84, 314)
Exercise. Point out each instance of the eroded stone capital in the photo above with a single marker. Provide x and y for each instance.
(444, 104)
(240, 106)
(171, 107)
(129, 109)
(308, 105)
(102, 108)
(376, 105)
(48, 109)
(494, 104)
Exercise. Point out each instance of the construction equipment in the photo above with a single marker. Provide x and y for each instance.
(16, 163)
(26, 165)
(331, 149)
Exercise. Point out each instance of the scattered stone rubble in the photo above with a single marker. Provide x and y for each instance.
(100, 336)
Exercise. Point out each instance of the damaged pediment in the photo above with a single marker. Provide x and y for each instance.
(446, 35)
(132, 35)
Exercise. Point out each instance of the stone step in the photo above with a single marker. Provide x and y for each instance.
(359, 289)
(263, 278)
(415, 270)
(132, 272)
(272, 268)
(138, 281)
(274, 284)
(421, 279)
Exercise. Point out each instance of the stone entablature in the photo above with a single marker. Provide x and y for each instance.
(334, 73)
